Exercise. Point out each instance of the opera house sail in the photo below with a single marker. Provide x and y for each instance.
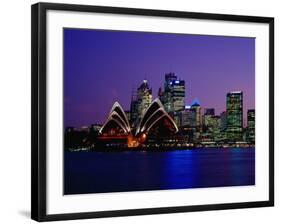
(156, 125)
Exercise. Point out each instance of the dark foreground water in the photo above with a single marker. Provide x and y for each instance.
(100, 172)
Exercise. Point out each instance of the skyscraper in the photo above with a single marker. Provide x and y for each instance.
(197, 109)
(188, 123)
(173, 96)
(167, 95)
(174, 93)
(251, 126)
(144, 98)
(234, 109)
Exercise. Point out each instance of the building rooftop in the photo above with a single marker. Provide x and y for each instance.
(195, 103)
(235, 92)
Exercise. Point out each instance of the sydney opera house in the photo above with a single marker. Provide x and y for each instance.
(156, 125)
(167, 122)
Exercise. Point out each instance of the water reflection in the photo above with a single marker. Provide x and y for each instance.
(96, 172)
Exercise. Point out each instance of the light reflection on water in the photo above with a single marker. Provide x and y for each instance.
(99, 172)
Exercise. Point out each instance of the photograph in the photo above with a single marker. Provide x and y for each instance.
(142, 111)
(147, 111)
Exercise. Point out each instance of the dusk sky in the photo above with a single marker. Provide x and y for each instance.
(101, 67)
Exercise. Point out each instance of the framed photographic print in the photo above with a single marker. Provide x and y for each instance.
(139, 111)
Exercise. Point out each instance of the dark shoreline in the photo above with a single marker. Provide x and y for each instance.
(155, 149)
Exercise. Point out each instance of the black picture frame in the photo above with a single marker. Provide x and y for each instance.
(39, 123)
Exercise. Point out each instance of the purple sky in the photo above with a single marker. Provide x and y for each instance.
(101, 67)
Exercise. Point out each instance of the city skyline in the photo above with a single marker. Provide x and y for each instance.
(84, 104)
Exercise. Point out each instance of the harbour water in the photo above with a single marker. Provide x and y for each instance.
(102, 172)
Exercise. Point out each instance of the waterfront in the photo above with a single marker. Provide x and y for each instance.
(101, 172)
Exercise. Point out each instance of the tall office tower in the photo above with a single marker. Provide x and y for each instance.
(251, 126)
(167, 97)
(188, 124)
(174, 94)
(234, 109)
(197, 131)
(144, 97)
(197, 109)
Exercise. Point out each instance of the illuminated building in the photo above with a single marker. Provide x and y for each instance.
(191, 122)
(140, 101)
(251, 126)
(196, 121)
(116, 130)
(144, 98)
(211, 126)
(173, 96)
(174, 93)
(117, 122)
(216, 129)
(188, 123)
(197, 109)
(234, 109)
(167, 95)
(155, 124)
(154, 116)
(223, 121)
(209, 113)
(188, 117)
